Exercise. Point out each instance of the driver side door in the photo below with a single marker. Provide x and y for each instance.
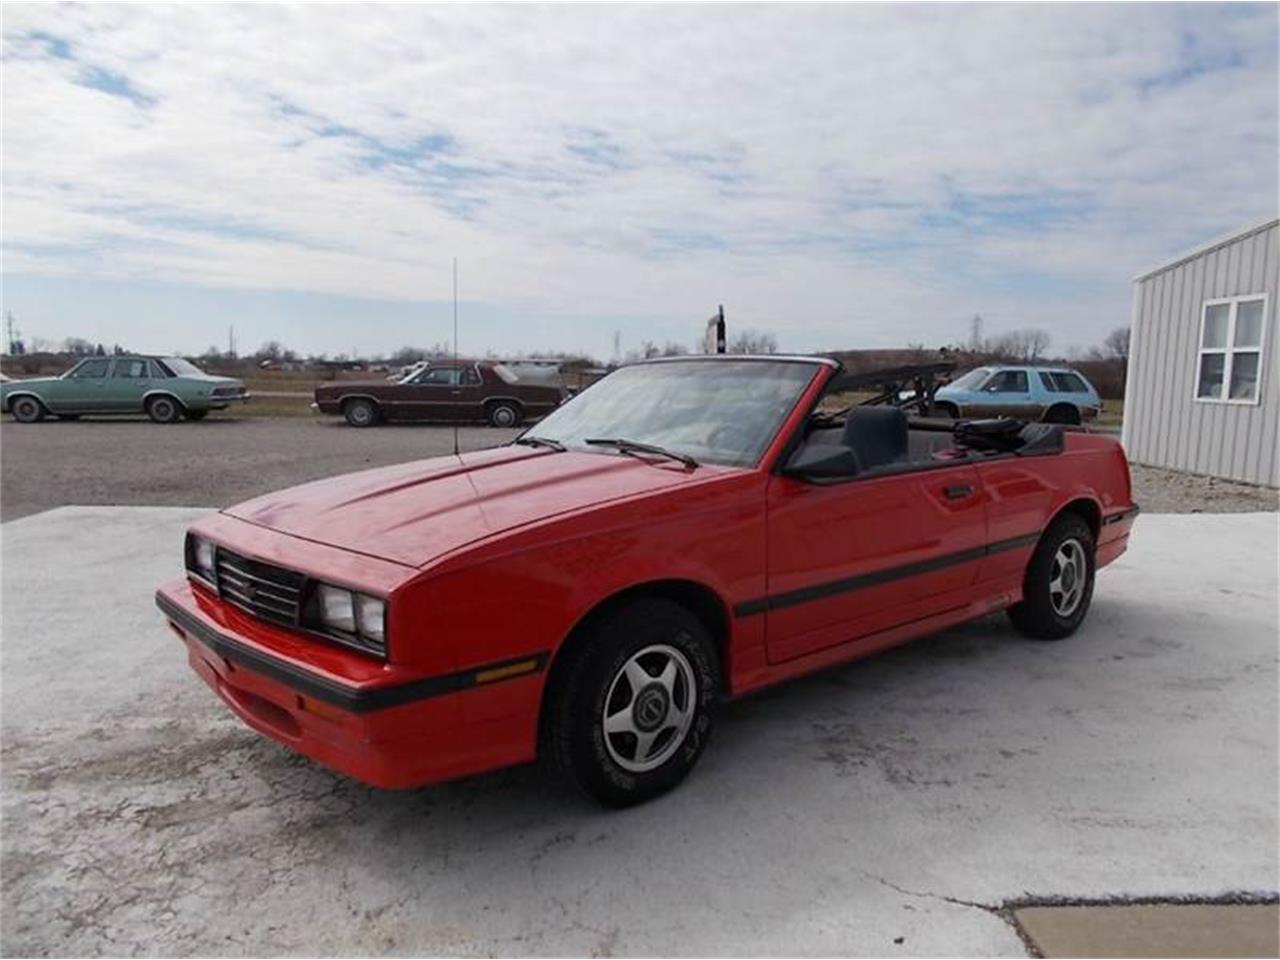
(1007, 393)
(435, 394)
(83, 389)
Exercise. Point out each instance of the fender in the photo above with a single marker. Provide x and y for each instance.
(25, 393)
(163, 393)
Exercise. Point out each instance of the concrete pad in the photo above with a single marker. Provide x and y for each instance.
(881, 808)
(1155, 930)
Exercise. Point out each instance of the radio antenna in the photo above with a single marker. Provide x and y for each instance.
(457, 371)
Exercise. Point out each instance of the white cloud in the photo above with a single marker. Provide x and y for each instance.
(839, 174)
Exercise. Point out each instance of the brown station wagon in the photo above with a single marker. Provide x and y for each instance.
(448, 390)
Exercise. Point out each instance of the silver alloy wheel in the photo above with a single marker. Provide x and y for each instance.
(649, 708)
(1067, 577)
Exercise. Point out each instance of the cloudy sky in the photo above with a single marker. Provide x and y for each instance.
(839, 175)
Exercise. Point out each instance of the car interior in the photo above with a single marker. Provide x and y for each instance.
(877, 440)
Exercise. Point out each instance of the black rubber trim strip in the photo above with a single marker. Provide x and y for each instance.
(351, 699)
(1122, 515)
(877, 577)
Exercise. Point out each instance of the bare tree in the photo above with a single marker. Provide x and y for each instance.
(752, 341)
(78, 346)
(271, 350)
(1025, 346)
(1116, 343)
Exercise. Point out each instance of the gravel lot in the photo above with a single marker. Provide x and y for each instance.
(223, 461)
(1167, 491)
(214, 463)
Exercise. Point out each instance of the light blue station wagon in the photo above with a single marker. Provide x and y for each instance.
(1052, 394)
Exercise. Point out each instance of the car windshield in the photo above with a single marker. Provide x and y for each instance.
(716, 411)
(412, 373)
(182, 368)
(972, 380)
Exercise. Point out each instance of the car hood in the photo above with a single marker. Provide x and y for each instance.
(413, 513)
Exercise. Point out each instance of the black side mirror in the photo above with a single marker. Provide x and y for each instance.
(822, 462)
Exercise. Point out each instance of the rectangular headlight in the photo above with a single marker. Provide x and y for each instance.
(371, 613)
(337, 608)
(349, 615)
(201, 558)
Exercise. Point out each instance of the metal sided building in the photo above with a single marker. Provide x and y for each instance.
(1203, 390)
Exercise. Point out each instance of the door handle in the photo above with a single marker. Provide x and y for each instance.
(957, 491)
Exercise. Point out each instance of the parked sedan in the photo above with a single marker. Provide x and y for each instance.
(444, 390)
(166, 389)
(683, 532)
(1051, 394)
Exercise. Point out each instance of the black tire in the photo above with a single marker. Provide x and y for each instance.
(505, 414)
(26, 409)
(164, 409)
(945, 408)
(1063, 413)
(1043, 613)
(361, 412)
(643, 631)
(197, 414)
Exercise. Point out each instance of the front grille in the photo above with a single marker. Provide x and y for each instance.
(270, 592)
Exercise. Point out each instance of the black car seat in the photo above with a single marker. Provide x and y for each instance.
(877, 436)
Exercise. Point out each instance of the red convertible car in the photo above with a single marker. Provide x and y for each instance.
(683, 532)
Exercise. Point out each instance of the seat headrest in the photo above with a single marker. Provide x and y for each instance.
(876, 435)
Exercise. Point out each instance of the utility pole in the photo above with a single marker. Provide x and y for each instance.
(231, 341)
(11, 333)
(975, 333)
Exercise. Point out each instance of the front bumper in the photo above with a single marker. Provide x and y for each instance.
(390, 735)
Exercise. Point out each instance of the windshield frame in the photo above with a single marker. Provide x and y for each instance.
(822, 368)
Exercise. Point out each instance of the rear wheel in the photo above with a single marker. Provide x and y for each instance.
(1058, 587)
(505, 414)
(634, 712)
(164, 409)
(26, 409)
(1063, 413)
(361, 412)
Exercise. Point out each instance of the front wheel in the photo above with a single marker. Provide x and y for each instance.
(947, 409)
(634, 713)
(26, 409)
(1058, 586)
(361, 413)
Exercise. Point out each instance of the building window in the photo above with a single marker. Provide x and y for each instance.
(1230, 358)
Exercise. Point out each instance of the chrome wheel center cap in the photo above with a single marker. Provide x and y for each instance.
(651, 707)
